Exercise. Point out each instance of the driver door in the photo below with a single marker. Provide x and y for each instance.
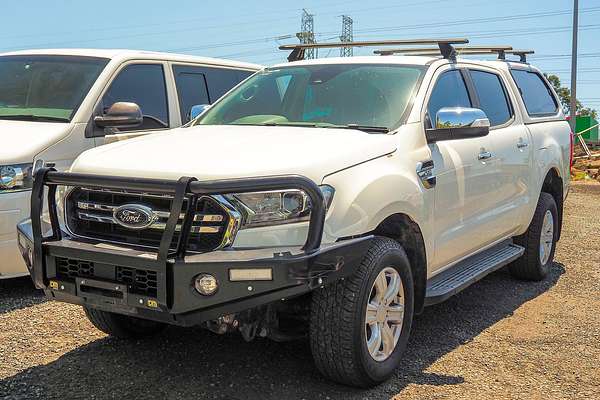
(143, 84)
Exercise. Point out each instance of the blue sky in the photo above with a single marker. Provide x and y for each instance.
(247, 30)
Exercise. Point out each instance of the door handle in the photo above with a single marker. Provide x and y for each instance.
(484, 155)
(521, 144)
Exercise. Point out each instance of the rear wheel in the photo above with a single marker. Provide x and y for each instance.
(539, 242)
(359, 327)
(122, 326)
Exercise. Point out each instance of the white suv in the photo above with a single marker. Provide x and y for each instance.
(55, 104)
(331, 198)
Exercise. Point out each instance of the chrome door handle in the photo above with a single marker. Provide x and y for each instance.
(522, 145)
(484, 155)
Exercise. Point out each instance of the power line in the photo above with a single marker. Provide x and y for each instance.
(470, 21)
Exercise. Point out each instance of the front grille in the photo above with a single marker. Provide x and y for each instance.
(139, 281)
(71, 269)
(89, 214)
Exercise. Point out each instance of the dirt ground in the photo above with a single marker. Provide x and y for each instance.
(499, 339)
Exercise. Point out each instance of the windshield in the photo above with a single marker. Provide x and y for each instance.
(335, 95)
(45, 88)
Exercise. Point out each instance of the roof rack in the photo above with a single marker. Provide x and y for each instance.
(501, 51)
(445, 47)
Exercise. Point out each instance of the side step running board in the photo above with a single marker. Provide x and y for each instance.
(460, 276)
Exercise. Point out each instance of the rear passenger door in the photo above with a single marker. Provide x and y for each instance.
(199, 85)
(464, 193)
(510, 141)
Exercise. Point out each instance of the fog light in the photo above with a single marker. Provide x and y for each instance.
(206, 284)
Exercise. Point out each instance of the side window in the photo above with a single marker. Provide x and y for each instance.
(220, 81)
(449, 91)
(492, 96)
(143, 84)
(191, 89)
(536, 95)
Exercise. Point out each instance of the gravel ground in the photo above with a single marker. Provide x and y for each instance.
(499, 339)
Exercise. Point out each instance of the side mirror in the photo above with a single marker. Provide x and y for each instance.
(197, 110)
(120, 115)
(458, 123)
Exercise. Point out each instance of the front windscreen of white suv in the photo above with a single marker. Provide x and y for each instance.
(45, 87)
(372, 97)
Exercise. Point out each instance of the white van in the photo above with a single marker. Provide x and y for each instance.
(55, 104)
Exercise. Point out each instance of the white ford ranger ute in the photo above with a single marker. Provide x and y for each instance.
(331, 198)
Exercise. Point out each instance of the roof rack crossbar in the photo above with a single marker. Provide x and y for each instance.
(501, 51)
(458, 49)
(522, 54)
(445, 45)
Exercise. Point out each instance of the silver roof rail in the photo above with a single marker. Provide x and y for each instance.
(445, 47)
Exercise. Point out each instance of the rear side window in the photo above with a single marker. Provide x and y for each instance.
(492, 96)
(191, 89)
(143, 84)
(449, 91)
(536, 95)
(220, 81)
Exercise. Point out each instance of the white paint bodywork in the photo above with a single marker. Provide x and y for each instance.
(61, 143)
(474, 205)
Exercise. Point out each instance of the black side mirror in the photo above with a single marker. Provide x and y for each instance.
(120, 115)
(458, 123)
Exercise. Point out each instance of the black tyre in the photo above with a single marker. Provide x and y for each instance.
(359, 327)
(539, 242)
(122, 326)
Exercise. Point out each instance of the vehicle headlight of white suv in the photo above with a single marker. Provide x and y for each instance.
(276, 207)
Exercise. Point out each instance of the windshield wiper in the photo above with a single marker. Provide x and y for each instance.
(365, 128)
(34, 118)
(300, 124)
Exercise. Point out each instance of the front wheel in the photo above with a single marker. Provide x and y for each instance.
(122, 326)
(359, 326)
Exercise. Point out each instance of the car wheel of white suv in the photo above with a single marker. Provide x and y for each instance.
(359, 326)
(122, 326)
(539, 242)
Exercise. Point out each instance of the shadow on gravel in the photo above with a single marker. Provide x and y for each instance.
(192, 363)
(17, 293)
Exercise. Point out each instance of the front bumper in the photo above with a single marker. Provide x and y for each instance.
(14, 207)
(294, 270)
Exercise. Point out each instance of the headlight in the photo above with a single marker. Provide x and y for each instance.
(276, 207)
(16, 177)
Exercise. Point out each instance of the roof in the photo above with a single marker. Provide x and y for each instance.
(403, 60)
(406, 60)
(125, 54)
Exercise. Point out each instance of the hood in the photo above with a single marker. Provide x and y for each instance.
(220, 152)
(21, 141)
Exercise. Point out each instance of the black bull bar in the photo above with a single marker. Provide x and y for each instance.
(299, 269)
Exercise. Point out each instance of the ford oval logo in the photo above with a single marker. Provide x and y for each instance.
(134, 216)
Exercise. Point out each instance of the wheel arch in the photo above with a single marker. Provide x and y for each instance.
(553, 185)
(407, 232)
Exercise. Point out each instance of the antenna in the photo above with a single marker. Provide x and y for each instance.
(346, 36)
(307, 34)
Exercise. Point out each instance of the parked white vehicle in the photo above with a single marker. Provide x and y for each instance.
(55, 104)
(333, 198)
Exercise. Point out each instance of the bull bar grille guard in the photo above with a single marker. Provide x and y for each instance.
(50, 179)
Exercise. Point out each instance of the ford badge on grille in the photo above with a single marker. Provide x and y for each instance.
(134, 216)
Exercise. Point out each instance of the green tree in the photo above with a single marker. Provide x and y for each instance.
(564, 94)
